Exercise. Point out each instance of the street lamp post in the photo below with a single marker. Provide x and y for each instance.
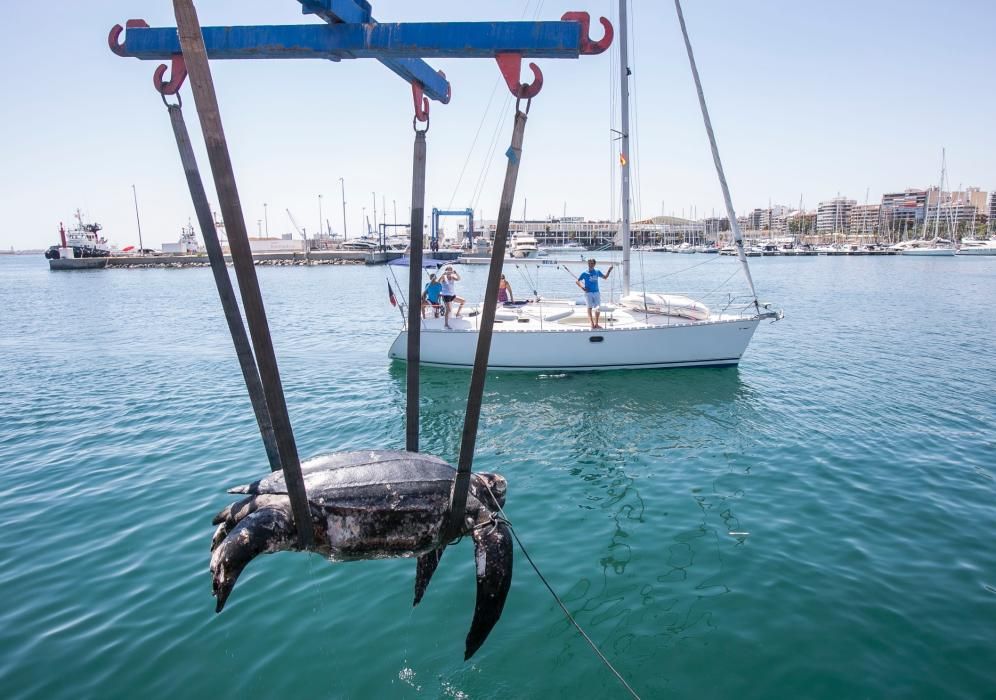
(363, 220)
(266, 220)
(319, 215)
(259, 227)
(374, 195)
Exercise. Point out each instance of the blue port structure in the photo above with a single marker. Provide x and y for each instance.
(350, 31)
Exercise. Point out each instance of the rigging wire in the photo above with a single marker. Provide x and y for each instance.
(613, 156)
(727, 200)
(489, 158)
(473, 144)
(523, 271)
(635, 117)
(484, 118)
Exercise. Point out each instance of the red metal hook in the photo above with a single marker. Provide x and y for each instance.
(510, 65)
(115, 34)
(589, 47)
(178, 73)
(421, 102)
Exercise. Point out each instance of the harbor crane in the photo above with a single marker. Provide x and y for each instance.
(301, 232)
(347, 31)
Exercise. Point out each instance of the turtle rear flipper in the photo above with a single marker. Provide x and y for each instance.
(426, 566)
(493, 554)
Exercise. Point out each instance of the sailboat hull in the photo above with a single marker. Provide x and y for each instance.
(705, 344)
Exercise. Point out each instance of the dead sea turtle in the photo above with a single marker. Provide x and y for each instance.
(373, 505)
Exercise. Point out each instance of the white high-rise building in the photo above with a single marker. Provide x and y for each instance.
(834, 216)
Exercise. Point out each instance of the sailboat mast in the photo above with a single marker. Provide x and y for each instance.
(940, 192)
(624, 128)
(738, 236)
(138, 221)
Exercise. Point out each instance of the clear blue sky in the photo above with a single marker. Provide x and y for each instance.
(807, 100)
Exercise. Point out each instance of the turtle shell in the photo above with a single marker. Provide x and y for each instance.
(373, 503)
(362, 469)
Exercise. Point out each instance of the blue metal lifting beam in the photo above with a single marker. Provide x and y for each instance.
(469, 213)
(351, 32)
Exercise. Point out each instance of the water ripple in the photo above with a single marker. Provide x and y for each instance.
(814, 523)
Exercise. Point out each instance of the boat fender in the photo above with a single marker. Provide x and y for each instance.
(559, 315)
(505, 316)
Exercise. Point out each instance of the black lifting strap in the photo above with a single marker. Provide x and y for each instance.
(225, 291)
(196, 60)
(415, 292)
(458, 500)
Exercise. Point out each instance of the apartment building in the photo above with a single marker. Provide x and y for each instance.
(834, 215)
(992, 213)
(903, 210)
(865, 218)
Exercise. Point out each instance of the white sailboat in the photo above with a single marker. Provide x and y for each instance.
(643, 331)
(938, 246)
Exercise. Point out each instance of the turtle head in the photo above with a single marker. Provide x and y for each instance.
(495, 484)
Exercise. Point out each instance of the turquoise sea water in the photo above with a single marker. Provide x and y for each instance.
(856, 444)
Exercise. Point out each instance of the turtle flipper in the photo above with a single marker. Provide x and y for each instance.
(267, 528)
(426, 566)
(229, 517)
(493, 554)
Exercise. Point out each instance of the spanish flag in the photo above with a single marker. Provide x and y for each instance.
(622, 159)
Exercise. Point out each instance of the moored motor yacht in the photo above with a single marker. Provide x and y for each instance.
(972, 246)
(523, 246)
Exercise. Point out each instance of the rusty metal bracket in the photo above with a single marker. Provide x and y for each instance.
(421, 102)
(115, 34)
(510, 65)
(178, 73)
(589, 47)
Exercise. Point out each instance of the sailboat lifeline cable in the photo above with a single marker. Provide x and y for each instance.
(732, 215)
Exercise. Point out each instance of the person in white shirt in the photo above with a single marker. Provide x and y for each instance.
(449, 280)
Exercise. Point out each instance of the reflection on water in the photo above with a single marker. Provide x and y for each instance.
(851, 450)
(578, 450)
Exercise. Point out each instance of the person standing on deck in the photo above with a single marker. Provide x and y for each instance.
(588, 281)
(449, 280)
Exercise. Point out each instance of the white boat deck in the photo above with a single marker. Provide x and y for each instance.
(557, 336)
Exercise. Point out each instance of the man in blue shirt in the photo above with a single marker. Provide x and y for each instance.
(588, 281)
(430, 297)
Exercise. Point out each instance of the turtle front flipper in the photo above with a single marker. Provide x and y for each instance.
(426, 566)
(493, 554)
(268, 527)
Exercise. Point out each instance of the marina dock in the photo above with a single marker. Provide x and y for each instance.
(324, 257)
